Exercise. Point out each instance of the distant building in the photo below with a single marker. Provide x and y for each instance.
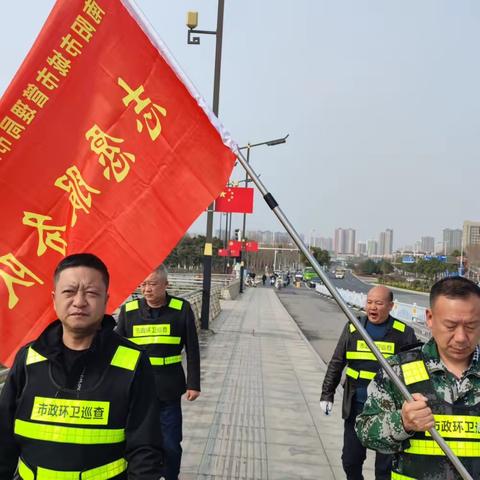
(385, 243)
(344, 241)
(325, 243)
(361, 249)
(452, 238)
(372, 247)
(427, 244)
(471, 233)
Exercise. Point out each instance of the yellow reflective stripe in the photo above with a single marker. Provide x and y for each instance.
(133, 305)
(430, 447)
(60, 434)
(384, 347)
(61, 410)
(399, 476)
(125, 358)
(414, 372)
(33, 356)
(145, 330)
(157, 361)
(24, 472)
(356, 374)
(352, 328)
(154, 340)
(457, 426)
(400, 326)
(103, 472)
(175, 303)
(363, 356)
(352, 373)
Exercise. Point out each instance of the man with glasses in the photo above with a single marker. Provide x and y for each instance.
(165, 325)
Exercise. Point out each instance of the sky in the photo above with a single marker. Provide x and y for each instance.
(380, 101)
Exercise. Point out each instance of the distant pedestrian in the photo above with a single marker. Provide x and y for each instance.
(361, 366)
(264, 279)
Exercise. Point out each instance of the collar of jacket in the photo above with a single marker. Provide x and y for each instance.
(50, 344)
(389, 321)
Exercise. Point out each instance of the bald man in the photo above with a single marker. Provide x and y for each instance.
(351, 352)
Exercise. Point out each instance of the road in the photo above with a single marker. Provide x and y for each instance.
(350, 282)
(320, 319)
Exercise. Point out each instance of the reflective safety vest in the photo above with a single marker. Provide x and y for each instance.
(362, 365)
(458, 424)
(67, 434)
(160, 337)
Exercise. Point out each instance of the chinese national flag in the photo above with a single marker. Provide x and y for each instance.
(235, 245)
(223, 252)
(251, 246)
(234, 252)
(106, 148)
(235, 200)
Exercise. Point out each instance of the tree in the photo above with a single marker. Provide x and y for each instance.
(322, 256)
(368, 267)
(456, 253)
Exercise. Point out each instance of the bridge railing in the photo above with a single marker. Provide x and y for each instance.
(411, 314)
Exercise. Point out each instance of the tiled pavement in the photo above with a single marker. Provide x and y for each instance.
(258, 416)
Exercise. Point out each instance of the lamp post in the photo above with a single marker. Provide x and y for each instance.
(248, 147)
(192, 22)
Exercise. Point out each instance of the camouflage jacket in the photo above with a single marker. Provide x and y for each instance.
(380, 427)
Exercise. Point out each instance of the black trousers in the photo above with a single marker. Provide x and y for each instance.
(354, 453)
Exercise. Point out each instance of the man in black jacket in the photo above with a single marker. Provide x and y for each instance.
(79, 399)
(351, 352)
(164, 325)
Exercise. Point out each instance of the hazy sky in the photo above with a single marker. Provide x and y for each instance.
(380, 99)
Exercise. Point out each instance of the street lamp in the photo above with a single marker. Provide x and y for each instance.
(248, 147)
(192, 22)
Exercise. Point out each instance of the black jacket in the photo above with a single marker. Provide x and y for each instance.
(170, 380)
(143, 449)
(338, 362)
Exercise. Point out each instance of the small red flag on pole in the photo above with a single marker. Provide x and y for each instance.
(235, 200)
(105, 147)
(251, 246)
(223, 252)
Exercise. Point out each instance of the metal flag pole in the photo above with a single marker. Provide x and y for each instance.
(272, 203)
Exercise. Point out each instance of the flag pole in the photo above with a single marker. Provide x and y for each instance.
(272, 203)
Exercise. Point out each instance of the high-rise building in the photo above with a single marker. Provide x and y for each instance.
(344, 242)
(350, 241)
(381, 244)
(361, 248)
(427, 244)
(452, 239)
(388, 241)
(372, 247)
(325, 243)
(471, 233)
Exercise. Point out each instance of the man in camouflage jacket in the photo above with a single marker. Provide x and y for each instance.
(444, 379)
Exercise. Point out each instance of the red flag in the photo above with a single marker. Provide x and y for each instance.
(251, 246)
(223, 252)
(105, 148)
(235, 199)
(234, 252)
(235, 245)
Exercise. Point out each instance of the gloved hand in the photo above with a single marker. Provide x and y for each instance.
(326, 407)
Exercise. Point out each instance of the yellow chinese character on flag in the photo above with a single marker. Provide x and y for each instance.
(19, 275)
(13, 128)
(150, 117)
(92, 9)
(80, 193)
(48, 235)
(34, 94)
(59, 63)
(83, 28)
(5, 145)
(110, 156)
(71, 45)
(47, 79)
(23, 112)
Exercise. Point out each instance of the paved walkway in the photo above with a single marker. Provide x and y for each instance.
(258, 416)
